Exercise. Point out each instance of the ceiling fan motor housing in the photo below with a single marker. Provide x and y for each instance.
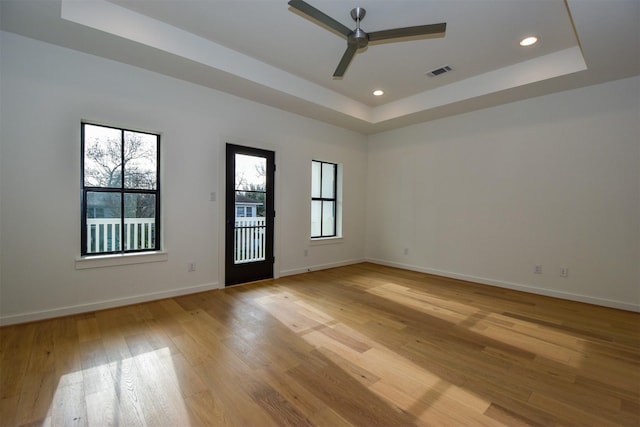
(359, 38)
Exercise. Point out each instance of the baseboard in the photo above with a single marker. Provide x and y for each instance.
(102, 305)
(119, 302)
(514, 286)
(320, 267)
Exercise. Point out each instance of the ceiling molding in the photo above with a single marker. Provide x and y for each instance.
(106, 29)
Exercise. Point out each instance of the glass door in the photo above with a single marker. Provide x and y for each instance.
(249, 214)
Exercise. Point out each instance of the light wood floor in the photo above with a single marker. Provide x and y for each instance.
(360, 345)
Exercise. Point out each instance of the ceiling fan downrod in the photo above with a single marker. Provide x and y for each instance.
(358, 38)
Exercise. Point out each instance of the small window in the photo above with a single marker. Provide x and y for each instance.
(324, 199)
(120, 190)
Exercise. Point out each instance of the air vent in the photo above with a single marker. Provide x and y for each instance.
(439, 71)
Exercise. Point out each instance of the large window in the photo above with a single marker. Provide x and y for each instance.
(120, 190)
(324, 199)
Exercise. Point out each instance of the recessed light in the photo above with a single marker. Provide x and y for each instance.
(378, 92)
(528, 41)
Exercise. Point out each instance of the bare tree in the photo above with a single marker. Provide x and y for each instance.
(108, 159)
(105, 159)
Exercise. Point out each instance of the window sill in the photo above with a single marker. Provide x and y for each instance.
(120, 259)
(326, 241)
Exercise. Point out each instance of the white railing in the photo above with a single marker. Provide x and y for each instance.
(103, 234)
(249, 240)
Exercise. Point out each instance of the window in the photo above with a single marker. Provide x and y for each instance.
(244, 212)
(324, 199)
(120, 190)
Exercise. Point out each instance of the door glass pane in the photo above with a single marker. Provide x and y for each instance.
(250, 203)
(140, 154)
(328, 182)
(316, 218)
(251, 172)
(328, 218)
(249, 239)
(139, 221)
(103, 222)
(250, 228)
(102, 153)
(315, 179)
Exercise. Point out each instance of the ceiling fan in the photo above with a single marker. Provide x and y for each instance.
(358, 39)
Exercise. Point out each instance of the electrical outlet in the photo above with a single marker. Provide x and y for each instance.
(564, 271)
(406, 251)
(537, 269)
(191, 266)
(306, 252)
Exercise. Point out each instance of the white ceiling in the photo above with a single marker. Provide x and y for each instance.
(266, 51)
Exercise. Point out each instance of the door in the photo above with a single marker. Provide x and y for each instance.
(249, 214)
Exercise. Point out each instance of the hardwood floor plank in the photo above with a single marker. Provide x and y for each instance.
(68, 406)
(279, 408)
(15, 358)
(102, 409)
(9, 410)
(39, 384)
(230, 388)
(128, 389)
(508, 417)
(359, 345)
(348, 398)
(88, 329)
(207, 410)
(349, 341)
(357, 372)
(568, 414)
(600, 386)
(187, 377)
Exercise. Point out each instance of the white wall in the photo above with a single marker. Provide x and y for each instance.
(46, 91)
(486, 195)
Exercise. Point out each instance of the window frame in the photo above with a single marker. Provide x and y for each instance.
(322, 200)
(122, 191)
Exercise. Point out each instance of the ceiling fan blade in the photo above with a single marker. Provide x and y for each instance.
(346, 60)
(314, 13)
(396, 33)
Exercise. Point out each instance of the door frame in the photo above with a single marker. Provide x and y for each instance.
(248, 272)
